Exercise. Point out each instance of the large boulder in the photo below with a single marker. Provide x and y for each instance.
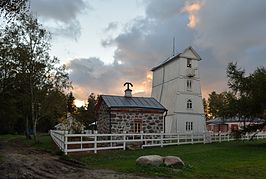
(154, 160)
(173, 161)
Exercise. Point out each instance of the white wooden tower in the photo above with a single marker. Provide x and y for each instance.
(176, 85)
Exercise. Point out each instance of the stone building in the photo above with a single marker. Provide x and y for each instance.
(118, 114)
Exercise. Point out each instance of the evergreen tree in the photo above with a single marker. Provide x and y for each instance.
(71, 107)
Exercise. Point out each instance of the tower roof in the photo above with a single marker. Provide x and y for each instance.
(187, 53)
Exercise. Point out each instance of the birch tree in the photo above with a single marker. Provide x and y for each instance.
(36, 74)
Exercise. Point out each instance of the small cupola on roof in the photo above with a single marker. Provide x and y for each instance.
(128, 91)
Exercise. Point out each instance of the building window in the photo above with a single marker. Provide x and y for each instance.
(189, 104)
(137, 126)
(189, 126)
(189, 64)
(188, 84)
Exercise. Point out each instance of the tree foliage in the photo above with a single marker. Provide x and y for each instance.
(71, 107)
(250, 91)
(205, 108)
(13, 8)
(28, 75)
(86, 114)
(221, 105)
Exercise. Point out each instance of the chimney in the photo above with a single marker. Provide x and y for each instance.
(128, 90)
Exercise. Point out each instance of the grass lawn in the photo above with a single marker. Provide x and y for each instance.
(44, 141)
(226, 160)
(236, 159)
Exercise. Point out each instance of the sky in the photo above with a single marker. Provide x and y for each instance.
(105, 43)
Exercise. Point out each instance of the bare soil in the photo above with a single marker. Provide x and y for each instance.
(20, 161)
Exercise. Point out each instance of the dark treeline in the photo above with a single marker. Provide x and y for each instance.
(32, 83)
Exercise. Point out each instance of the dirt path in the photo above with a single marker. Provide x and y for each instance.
(19, 161)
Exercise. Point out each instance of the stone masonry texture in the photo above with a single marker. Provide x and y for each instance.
(123, 119)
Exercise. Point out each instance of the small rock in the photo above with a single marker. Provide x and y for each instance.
(173, 161)
(154, 160)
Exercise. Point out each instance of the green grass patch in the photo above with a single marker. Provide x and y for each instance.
(7, 137)
(44, 142)
(235, 159)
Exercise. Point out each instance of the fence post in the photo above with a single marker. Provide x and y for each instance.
(161, 139)
(228, 136)
(178, 138)
(65, 141)
(95, 142)
(220, 137)
(192, 140)
(141, 138)
(204, 139)
(81, 142)
(124, 141)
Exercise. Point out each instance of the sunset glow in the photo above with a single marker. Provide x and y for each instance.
(79, 103)
(192, 21)
(191, 10)
(112, 49)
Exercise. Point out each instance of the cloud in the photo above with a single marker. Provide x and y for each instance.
(111, 26)
(93, 76)
(156, 9)
(60, 10)
(71, 30)
(143, 44)
(191, 8)
(222, 32)
(232, 30)
(60, 16)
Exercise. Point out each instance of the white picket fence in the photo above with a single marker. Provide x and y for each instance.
(96, 142)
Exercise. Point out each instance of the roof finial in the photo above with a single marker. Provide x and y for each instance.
(128, 90)
(128, 83)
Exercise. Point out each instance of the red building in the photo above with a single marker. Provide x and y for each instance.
(231, 124)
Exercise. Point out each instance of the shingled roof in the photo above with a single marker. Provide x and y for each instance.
(132, 102)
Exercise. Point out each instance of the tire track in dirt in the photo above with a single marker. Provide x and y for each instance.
(20, 161)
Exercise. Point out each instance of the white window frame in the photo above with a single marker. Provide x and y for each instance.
(189, 104)
(189, 85)
(137, 126)
(189, 126)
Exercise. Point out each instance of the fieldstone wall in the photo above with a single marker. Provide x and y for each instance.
(103, 119)
(124, 121)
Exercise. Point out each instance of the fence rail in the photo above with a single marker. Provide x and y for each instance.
(96, 142)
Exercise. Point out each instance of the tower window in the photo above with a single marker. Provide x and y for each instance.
(189, 126)
(189, 104)
(189, 64)
(189, 84)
